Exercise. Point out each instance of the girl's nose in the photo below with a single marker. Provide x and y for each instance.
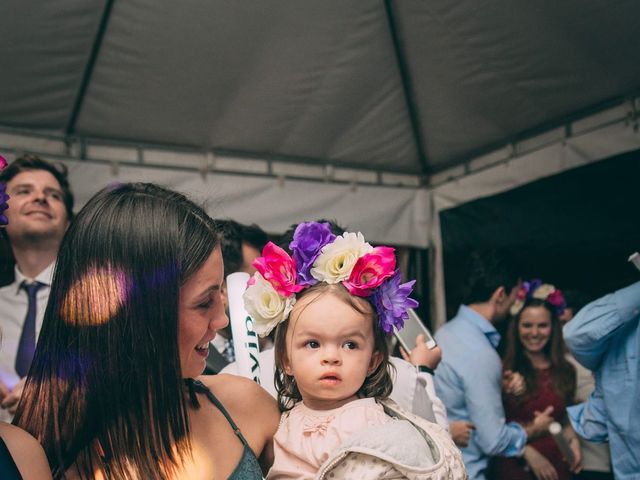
(330, 356)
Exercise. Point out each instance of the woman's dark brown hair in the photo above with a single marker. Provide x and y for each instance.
(563, 374)
(378, 384)
(105, 390)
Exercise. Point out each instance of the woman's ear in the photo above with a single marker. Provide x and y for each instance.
(374, 363)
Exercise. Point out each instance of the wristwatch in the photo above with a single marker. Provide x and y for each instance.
(425, 369)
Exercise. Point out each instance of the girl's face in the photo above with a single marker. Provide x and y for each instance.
(200, 315)
(330, 350)
(534, 328)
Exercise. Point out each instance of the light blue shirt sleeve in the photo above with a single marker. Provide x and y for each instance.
(589, 419)
(493, 435)
(588, 335)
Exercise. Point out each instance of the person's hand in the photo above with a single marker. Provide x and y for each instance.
(422, 355)
(576, 466)
(513, 383)
(460, 432)
(540, 466)
(540, 423)
(10, 401)
(4, 391)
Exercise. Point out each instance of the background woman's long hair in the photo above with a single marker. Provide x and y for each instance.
(105, 388)
(563, 374)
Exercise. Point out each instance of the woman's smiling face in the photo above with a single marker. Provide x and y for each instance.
(534, 328)
(200, 314)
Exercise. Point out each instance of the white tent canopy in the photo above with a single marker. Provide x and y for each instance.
(376, 113)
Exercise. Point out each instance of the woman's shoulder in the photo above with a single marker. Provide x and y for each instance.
(26, 452)
(240, 394)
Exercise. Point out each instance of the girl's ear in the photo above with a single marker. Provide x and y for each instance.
(374, 363)
(286, 365)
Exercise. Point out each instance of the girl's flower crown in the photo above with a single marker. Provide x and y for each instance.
(321, 256)
(541, 291)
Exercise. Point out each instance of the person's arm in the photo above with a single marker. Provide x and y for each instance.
(426, 361)
(589, 333)
(572, 439)
(26, 452)
(483, 397)
(589, 419)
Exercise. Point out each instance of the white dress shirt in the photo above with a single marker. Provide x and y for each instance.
(13, 310)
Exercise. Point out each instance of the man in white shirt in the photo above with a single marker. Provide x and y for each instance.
(40, 209)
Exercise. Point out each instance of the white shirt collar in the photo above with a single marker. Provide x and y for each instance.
(45, 276)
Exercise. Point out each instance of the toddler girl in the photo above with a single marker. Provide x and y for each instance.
(332, 304)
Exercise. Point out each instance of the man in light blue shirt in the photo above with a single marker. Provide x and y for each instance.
(469, 377)
(605, 337)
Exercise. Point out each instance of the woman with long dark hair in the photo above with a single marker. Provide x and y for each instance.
(535, 350)
(112, 392)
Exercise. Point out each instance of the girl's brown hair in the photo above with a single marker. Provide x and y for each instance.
(378, 384)
(563, 374)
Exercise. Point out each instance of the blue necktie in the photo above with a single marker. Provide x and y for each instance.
(27, 345)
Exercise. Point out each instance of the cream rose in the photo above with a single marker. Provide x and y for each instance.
(543, 291)
(266, 306)
(336, 259)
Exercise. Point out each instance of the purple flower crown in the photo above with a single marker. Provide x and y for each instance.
(541, 291)
(321, 256)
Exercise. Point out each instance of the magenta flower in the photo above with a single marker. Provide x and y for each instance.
(370, 271)
(279, 269)
(392, 301)
(557, 301)
(3, 163)
(308, 240)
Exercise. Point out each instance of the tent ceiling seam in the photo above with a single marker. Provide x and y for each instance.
(89, 67)
(407, 87)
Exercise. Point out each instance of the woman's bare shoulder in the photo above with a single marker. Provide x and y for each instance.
(241, 395)
(26, 452)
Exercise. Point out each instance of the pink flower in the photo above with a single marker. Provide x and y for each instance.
(556, 299)
(370, 271)
(279, 269)
(3, 163)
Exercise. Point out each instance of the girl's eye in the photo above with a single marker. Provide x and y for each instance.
(311, 344)
(350, 345)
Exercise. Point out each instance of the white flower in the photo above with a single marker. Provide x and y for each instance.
(336, 259)
(266, 306)
(543, 291)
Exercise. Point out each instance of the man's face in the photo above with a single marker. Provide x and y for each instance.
(503, 306)
(36, 207)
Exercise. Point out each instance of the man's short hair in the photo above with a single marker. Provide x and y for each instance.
(254, 236)
(489, 270)
(29, 162)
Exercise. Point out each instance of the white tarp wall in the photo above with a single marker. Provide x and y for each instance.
(396, 215)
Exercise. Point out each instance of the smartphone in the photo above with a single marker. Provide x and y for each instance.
(413, 327)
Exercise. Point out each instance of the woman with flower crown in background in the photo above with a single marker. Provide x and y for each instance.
(332, 306)
(535, 350)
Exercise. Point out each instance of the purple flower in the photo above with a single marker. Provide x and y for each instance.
(308, 240)
(392, 301)
(3, 204)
